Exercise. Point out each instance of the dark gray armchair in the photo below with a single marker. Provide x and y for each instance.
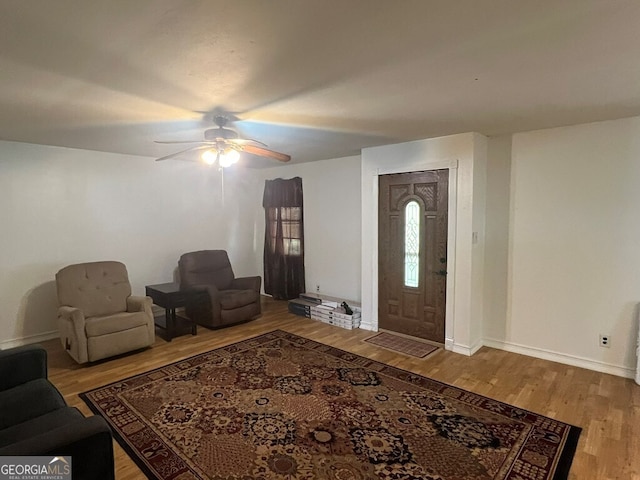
(218, 298)
(35, 419)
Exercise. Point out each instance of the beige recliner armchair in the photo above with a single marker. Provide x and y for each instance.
(98, 317)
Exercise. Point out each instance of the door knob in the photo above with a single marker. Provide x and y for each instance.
(442, 273)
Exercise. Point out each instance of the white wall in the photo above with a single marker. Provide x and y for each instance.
(332, 215)
(465, 156)
(478, 243)
(574, 245)
(60, 206)
(556, 262)
(497, 236)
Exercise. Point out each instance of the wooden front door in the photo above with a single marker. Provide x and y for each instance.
(412, 253)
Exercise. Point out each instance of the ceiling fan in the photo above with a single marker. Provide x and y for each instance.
(222, 145)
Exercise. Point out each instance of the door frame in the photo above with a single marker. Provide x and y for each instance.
(452, 166)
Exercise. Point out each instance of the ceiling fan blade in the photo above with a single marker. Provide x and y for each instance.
(246, 141)
(171, 142)
(265, 152)
(191, 149)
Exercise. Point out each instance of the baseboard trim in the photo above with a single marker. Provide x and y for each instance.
(567, 359)
(366, 326)
(18, 342)
(467, 350)
(449, 344)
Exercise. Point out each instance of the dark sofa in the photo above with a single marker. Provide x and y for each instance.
(35, 419)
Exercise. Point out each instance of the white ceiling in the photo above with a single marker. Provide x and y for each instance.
(315, 79)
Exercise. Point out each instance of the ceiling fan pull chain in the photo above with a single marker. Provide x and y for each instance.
(221, 182)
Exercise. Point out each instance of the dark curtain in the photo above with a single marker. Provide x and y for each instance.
(283, 238)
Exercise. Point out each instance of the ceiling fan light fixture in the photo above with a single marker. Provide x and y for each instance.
(209, 156)
(225, 157)
(229, 157)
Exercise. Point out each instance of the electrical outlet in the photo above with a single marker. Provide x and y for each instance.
(317, 288)
(605, 340)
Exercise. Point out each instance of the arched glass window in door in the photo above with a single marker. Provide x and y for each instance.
(411, 244)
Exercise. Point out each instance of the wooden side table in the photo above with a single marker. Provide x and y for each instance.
(169, 296)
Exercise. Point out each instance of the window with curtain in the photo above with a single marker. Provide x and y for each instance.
(284, 238)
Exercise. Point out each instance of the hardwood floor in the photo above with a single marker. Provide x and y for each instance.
(606, 407)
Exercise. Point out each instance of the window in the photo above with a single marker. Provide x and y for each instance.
(290, 220)
(411, 244)
(283, 238)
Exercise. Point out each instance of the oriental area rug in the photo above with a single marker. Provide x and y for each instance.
(279, 406)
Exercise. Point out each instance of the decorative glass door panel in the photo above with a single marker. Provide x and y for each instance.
(412, 244)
